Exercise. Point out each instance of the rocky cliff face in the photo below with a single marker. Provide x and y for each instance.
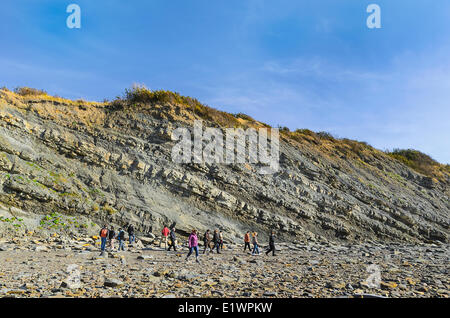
(112, 163)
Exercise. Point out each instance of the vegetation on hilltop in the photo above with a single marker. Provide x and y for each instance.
(140, 95)
(28, 91)
(28, 94)
(420, 162)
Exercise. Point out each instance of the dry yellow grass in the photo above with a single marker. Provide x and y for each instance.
(139, 98)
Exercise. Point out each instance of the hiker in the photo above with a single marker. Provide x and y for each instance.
(193, 245)
(271, 244)
(103, 237)
(247, 241)
(121, 238)
(130, 231)
(206, 241)
(221, 240)
(172, 240)
(111, 237)
(165, 233)
(255, 244)
(216, 240)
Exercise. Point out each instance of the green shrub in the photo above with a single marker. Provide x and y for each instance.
(325, 135)
(284, 129)
(305, 132)
(356, 146)
(95, 208)
(108, 209)
(139, 94)
(244, 116)
(416, 160)
(28, 91)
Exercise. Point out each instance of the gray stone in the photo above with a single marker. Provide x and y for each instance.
(112, 282)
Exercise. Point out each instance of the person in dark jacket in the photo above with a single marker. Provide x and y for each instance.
(121, 238)
(207, 241)
(271, 244)
(111, 238)
(131, 233)
(216, 240)
(172, 240)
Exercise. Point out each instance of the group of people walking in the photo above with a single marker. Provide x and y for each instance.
(254, 241)
(166, 235)
(168, 238)
(109, 235)
(218, 243)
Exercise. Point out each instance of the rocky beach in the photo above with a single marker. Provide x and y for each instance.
(52, 267)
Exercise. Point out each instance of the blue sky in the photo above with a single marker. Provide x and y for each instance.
(298, 63)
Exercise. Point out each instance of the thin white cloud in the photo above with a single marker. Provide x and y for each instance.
(403, 105)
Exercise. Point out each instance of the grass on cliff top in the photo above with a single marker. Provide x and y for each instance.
(350, 148)
(414, 159)
(140, 95)
(28, 94)
(420, 162)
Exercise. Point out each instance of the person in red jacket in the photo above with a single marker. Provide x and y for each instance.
(165, 233)
(103, 237)
(247, 241)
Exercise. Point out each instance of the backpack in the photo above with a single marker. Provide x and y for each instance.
(122, 235)
(103, 232)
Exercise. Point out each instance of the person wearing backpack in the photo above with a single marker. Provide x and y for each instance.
(103, 237)
(172, 240)
(193, 245)
(131, 236)
(121, 238)
(111, 237)
(247, 241)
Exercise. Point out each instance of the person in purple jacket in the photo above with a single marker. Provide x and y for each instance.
(193, 245)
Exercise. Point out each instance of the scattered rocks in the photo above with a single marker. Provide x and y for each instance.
(318, 270)
(41, 248)
(112, 282)
(388, 285)
(145, 257)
